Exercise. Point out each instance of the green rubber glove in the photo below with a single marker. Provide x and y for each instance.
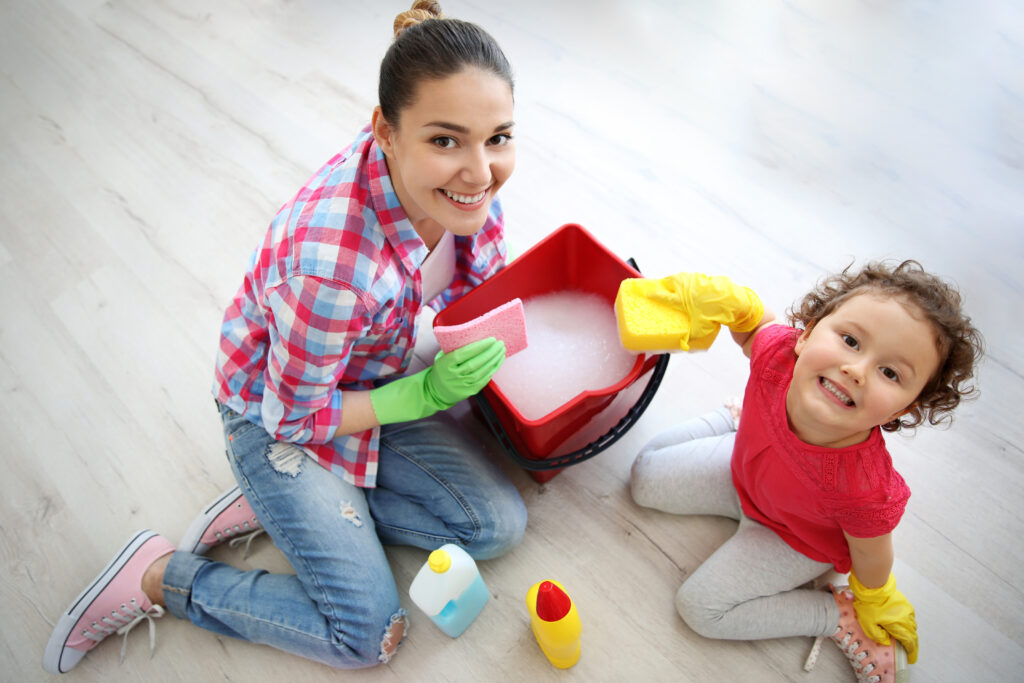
(453, 377)
(885, 611)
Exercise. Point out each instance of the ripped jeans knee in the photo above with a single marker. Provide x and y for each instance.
(393, 634)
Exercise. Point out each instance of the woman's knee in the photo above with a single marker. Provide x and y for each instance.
(369, 646)
(502, 530)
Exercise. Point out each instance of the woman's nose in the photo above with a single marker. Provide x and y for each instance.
(477, 168)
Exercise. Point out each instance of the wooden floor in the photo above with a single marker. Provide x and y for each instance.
(145, 146)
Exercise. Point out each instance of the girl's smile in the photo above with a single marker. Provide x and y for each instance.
(836, 392)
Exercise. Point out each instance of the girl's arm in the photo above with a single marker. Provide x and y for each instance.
(882, 611)
(746, 339)
(871, 558)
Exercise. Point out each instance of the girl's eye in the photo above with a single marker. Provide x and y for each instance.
(891, 374)
(849, 341)
(501, 139)
(444, 142)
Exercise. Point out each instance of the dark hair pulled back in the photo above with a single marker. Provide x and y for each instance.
(429, 46)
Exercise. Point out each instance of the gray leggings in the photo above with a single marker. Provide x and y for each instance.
(749, 588)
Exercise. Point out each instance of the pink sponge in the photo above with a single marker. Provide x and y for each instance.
(506, 322)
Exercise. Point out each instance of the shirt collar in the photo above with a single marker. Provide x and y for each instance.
(393, 221)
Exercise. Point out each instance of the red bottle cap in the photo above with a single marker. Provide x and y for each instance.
(552, 602)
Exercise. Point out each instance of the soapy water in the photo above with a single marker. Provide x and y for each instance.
(573, 347)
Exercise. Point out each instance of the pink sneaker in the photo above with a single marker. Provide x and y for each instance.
(113, 603)
(226, 517)
(872, 662)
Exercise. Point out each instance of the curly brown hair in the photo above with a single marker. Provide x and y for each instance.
(959, 343)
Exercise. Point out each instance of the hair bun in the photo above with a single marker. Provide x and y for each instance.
(421, 10)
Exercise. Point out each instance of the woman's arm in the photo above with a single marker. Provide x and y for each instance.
(358, 415)
(871, 558)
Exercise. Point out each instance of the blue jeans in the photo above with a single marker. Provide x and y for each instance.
(434, 486)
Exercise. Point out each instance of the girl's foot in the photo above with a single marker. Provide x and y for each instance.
(871, 661)
(734, 405)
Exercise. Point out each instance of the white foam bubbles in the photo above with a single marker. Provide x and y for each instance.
(573, 347)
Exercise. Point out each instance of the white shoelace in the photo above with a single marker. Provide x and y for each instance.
(248, 538)
(849, 648)
(123, 621)
(154, 612)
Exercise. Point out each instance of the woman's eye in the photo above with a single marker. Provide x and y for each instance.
(444, 142)
(501, 139)
(849, 341)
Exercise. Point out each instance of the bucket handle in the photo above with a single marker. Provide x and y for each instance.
(591, 449)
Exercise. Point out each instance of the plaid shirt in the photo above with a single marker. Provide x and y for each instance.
(330, 301)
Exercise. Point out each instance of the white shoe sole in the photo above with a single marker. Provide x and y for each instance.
(60, 659)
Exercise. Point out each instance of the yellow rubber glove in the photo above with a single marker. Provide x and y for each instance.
(885, 611)
(685, 311)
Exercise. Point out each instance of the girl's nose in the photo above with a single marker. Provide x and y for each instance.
(854, 370)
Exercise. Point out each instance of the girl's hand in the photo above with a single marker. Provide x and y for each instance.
(884, 612)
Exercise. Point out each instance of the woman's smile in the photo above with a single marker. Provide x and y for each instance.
(465, 202)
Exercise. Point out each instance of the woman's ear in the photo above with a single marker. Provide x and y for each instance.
(383, 132)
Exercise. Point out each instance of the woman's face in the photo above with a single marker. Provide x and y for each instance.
(450, 151)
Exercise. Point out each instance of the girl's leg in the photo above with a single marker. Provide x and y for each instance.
(747, 590)
(340, 607)
(435, 486)
(686, 469)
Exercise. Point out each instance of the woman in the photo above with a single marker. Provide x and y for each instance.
(333, 458)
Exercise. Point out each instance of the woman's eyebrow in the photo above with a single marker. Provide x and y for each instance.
(456, 128)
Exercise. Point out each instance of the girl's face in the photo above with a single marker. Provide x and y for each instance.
(861, 366)
(450, 151)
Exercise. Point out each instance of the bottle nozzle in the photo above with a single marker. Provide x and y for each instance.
(552, 602)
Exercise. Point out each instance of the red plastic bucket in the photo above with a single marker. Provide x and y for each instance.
(567, 259)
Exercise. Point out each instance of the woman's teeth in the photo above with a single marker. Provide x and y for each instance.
(465, 198)
(835, 391)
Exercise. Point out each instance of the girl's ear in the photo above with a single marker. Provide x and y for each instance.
(801, 341)
(901, 413)
(383, 132)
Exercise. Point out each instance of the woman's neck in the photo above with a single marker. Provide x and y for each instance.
(430, 231)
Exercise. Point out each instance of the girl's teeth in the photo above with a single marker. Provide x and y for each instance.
(465, 198)
(836, 392)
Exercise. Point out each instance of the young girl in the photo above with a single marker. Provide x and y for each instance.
(807, 473)
(333, 459)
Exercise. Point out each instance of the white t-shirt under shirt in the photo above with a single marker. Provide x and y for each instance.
(437, 272)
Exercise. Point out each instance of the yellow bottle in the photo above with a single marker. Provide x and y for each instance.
(555, 622)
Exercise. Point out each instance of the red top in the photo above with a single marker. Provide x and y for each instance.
(552, 602)
(808, 494)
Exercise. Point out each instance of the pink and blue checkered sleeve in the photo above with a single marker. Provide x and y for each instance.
(315, 323)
